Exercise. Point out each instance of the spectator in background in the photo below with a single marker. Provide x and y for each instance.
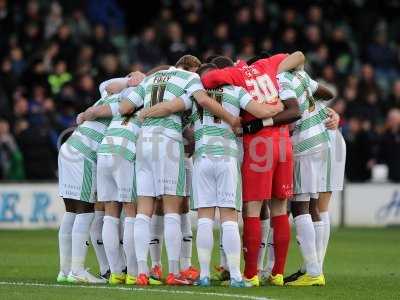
(44, 153)
(394, 96)
(381, 56)
(368, 84)
(59, 77)
(174, 44)
(288, 43)
(67, 48)
(101, 43)
(146, 49)
(341, 53)
(359, 145)
(11, 160)
(390, 145)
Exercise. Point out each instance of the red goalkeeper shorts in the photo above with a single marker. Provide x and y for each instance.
(267, 169)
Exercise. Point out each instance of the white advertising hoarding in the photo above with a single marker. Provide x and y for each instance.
(38, 205)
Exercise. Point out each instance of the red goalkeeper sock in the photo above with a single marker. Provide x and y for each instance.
(251, 244)
(281, 242)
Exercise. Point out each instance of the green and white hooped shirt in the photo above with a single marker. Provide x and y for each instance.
(87, 137)
(310, 134)
(165, 86)
(212, 135)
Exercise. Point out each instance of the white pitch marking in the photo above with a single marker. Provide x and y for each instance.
(150, 290)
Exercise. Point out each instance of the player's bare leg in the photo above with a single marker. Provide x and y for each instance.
(281, 239)
(128, 242)
(97, 240)
(187, 270)
(251, 239)
(145, 208)
(265, 231)
(156, 239)
(173, 238)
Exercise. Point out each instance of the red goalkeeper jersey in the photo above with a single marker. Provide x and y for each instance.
(259, 79)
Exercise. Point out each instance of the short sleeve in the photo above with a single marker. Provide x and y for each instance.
(313, 85)
(193, 85)
(135, 95)
(104, 84)
(286, 90)
(187, 100)
(244, 98)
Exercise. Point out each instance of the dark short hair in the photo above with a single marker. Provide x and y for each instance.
(206, 67)
(222, 62)
(261, 55)
(210, 58)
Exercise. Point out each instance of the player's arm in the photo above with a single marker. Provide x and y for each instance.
(215, 108)
(332, 123)
(113, 86)
(130, 100)
(218, 77)
(291, 62)
(323, 93)
(259, 110)
(290, 113)
(164, 109)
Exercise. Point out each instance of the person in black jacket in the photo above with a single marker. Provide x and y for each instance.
(389, 146)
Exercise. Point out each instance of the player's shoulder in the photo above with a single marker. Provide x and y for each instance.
(286, 76)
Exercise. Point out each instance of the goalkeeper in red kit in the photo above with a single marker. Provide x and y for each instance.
(267, 170)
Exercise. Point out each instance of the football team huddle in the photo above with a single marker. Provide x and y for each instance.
(220, 137)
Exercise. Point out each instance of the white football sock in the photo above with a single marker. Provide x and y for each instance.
(112, 245)
(319, 241)
(232, 247)
(204, 242)
(129, 246)
(265, 226)
(142, 239)
(222, 257)
(327, 232)
(306, 238)
(97, 241)
(271, 254)
(65, 241)
(80, 241)
(121, 240)
(187, 237)
(173, 241)
(156, 239)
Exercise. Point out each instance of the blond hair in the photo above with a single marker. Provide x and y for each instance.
(188, 62)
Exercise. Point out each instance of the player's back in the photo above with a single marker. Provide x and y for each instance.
(87, 137)
(213, 135)
(310, 133)
(165, 86)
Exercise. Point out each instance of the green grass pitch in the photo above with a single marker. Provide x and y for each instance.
(361, 264)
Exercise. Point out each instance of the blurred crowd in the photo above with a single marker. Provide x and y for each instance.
(53, 55)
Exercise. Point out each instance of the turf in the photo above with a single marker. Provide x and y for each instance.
(361, 264)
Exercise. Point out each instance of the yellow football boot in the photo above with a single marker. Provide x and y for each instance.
(307, 280)
(276, 280)
(116, 278)
(252, 282)
(129, 279)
